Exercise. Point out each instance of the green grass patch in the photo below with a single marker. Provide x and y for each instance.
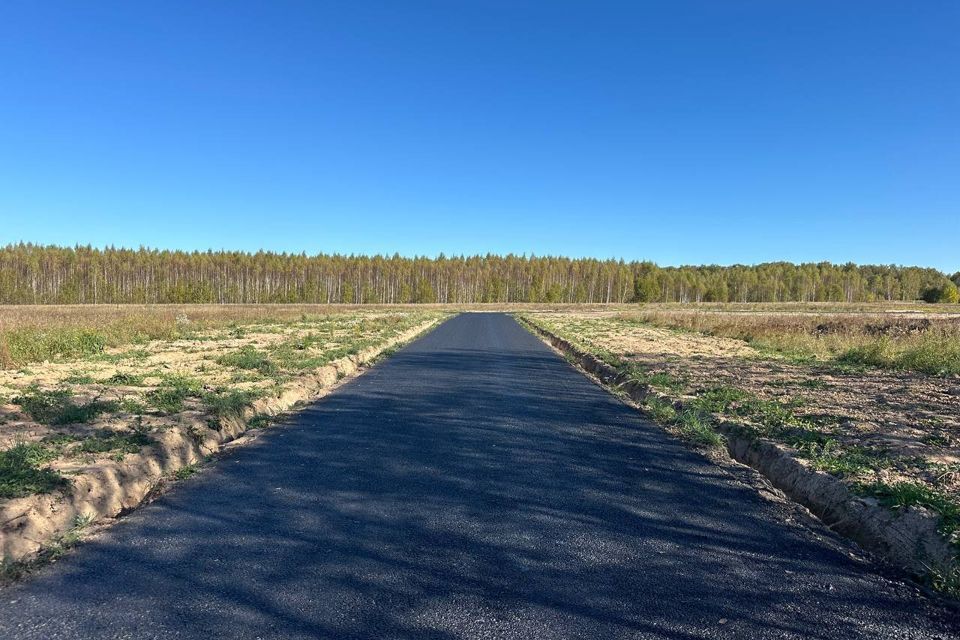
(57, 407)
(660, 410)
(185, 471)
(718, 399)
(173, 391)
(230, 402)
(826, 454)
(126, 379)
(697, 427)
(21, 473)
(113, 442)
(35, 345)
(79, 378)
(249, 358)
(934, 355)
(904, 494)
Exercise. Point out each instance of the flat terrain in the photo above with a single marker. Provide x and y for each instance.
(473, 485)
(106, 403)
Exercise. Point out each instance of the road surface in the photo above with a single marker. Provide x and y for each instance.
(474, 485)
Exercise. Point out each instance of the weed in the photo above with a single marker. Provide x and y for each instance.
(36, 344)
(126, 379)
(260, 421)
(903, 494)
(113, 442)
(230, 402)
(697, 427)
(185, 471)
(829, 456)
(130, 405)
(79, 378)
(249, 358)
(173, 391)
(56, 407)
(21, 473)
(660, 410)
(718, 399)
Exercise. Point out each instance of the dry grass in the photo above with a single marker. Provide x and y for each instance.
(97, 400)
(892, 432)
(46, 332)
(928, 343)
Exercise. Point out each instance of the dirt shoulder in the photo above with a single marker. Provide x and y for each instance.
(85, 439)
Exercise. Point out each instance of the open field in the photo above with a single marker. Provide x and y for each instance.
(127, 393)
(471, 485)
(867, 392)
(888, 426)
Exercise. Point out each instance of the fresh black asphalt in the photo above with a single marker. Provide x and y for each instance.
(474, 485)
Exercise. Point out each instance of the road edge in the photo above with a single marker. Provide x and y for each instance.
(907, 538)
(66, 517)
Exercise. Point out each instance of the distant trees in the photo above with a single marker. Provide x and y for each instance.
(947, 292)
(32, 274)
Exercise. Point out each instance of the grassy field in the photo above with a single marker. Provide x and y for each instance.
(868, 396)
(927, 341)
(85, 384)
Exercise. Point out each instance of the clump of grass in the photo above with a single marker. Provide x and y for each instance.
(826, 454)
(905, 493)
(249, 358)
(660, 410)
(170, 395)
(185, 471)
(698, 428)
(934, 354)
(113, 442)
(126, 379)
(230, 402)
(21, 473)
(79, 378)
(718, 399)
(946, 579)
(55, 406)
(131, 405)
(260, 421)
(928, 345)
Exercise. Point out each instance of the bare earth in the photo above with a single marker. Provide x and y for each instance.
(913, 418)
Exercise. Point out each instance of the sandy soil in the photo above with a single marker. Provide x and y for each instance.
(912, 418)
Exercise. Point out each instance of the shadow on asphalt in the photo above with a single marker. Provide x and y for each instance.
(454, 490)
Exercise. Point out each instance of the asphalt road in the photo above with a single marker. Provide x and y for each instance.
(474, 485)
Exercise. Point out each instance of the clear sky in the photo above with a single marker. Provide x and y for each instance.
(678, 131)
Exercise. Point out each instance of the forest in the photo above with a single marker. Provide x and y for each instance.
(34, 274)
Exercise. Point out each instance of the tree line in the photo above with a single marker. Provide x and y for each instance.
(34, 274)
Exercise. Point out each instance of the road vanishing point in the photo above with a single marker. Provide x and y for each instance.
(473, 485)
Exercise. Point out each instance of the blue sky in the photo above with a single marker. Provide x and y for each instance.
(677, 131)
